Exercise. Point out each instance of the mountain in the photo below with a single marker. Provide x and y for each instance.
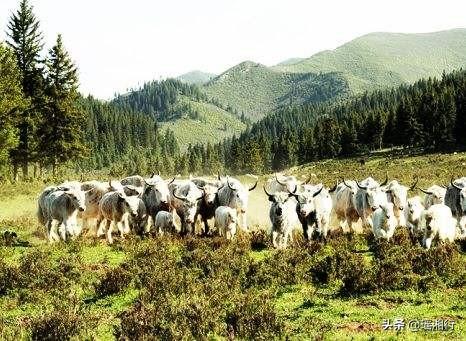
(184, 109)
(380, 60)
(254, 90)
(291, 61)
(373, 61)
(196, 77)
(426, 116)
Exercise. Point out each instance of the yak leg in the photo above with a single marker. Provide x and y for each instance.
(206, 226)
(274, 239)
(53, 235)
(101, 230)
(305, 233)
(121, 228)
(244, 222)
(126, 228)
(109, 229)
(285, 239)
(62, 227)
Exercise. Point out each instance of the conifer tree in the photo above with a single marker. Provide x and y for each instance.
(25, 39)
(60, 132)
(11, 103)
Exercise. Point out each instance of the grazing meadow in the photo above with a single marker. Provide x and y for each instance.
(350, 287)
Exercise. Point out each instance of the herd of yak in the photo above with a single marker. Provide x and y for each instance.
(147, 206)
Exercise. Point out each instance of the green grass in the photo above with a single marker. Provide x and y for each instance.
(308, 310)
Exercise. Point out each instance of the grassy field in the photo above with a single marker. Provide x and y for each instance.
(196, 288)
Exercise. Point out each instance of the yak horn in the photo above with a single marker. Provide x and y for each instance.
(331, 190)
(318, 192)
(254, 186)
(362, 187)
(425, 192)
(385, 181)
(176, 196)
(281, 183)
(413, 186)
(268, 194)
(347, 184)
(454, 185)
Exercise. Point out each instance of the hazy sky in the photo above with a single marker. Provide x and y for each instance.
(119, 44)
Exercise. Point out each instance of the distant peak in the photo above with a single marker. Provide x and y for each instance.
(196, 77)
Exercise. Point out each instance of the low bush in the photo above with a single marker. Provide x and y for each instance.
(113, 281)
(356, 273)
(59, 324)
(253, 317)
(259, 240)
(38, 270)
(443, 261)
(9, 277)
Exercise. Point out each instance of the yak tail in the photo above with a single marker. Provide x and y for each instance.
(41, 215)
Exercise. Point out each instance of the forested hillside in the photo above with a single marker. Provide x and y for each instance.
(371, 62)
(185, 109)
(255, 90)
(123, 139)
(161, 99)
(381, 60)
(430, 114)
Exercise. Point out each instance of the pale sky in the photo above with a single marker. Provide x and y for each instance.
(118, 44)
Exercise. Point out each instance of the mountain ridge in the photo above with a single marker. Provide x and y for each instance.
(196, 77)
(373, 61)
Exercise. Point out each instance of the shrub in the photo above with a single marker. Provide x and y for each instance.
(259, 240)
(443, 261)
(283, 267)
(356, 274)
(9, 277)
(113, 281)
(253, 317)
(394, 268)
(36, 271)
(60, 324)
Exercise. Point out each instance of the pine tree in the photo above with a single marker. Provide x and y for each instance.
(447, 119)
(60, 132)
(11, 103)
(349, 139)
(26, 42)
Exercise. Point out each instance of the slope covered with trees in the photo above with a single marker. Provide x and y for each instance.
(124, 140)
(185, 109)
(381, 60)
(371, 62)
(430, 114)
(254, 90)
